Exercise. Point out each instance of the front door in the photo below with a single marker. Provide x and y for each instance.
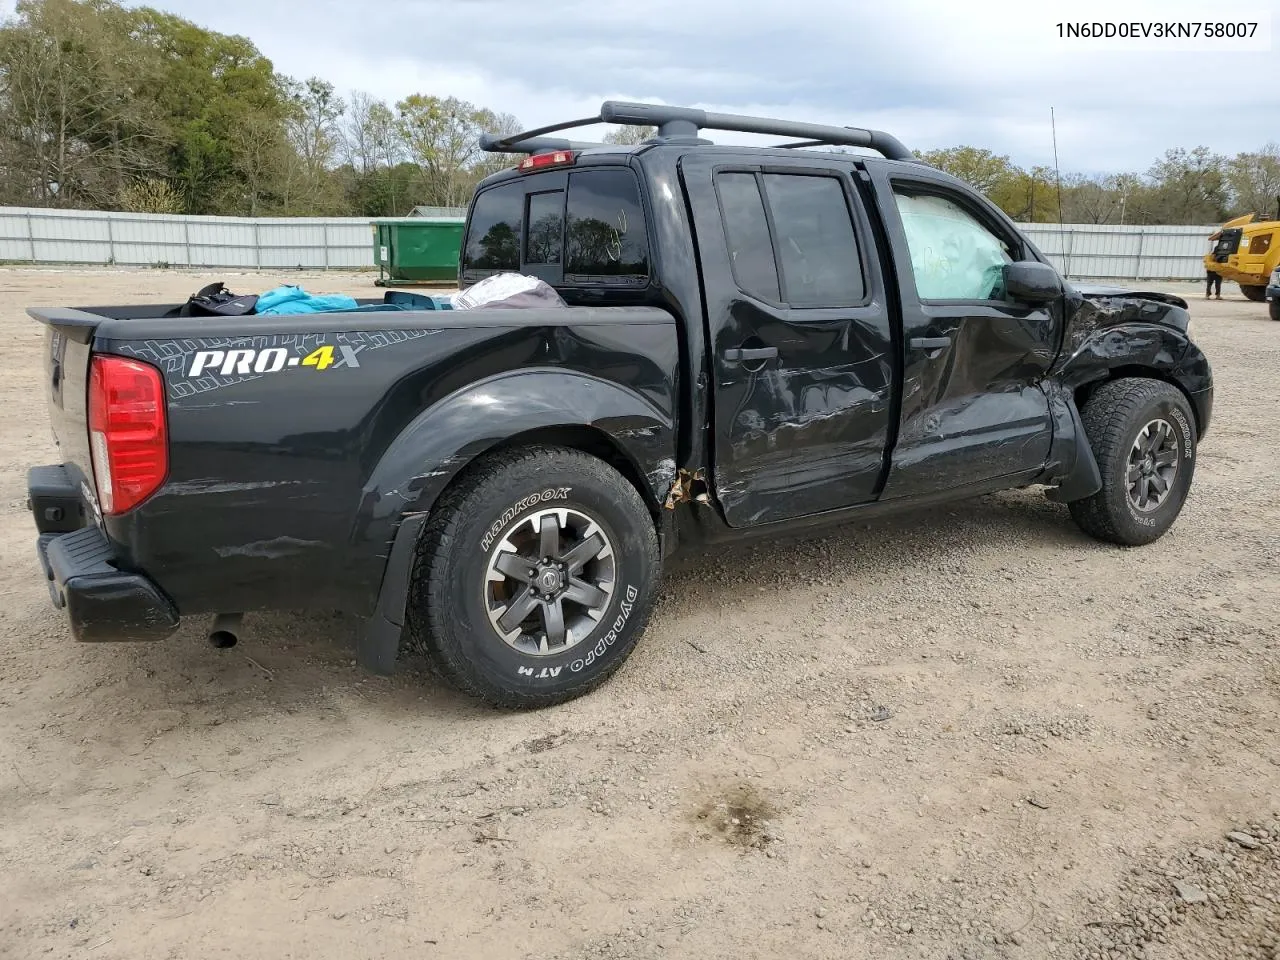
(800, 337)
(973, 409)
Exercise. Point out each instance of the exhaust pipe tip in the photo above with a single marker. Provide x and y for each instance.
(225, 632)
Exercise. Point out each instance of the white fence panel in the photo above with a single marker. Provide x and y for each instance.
(33, 235)
(1123, 252)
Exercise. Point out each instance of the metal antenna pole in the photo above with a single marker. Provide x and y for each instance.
(1057, 175)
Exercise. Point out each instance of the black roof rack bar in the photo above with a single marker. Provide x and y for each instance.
(492, 143)
(687, 121)
(798, 144)
(538, 131)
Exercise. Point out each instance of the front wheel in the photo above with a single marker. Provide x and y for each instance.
(1257, 293)
(1143, 436)
(534, 577)
(1274, 309)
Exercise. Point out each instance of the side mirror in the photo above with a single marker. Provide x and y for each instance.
(1030, 282)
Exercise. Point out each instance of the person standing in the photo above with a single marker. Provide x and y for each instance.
(1212, 279)
(1213, 284)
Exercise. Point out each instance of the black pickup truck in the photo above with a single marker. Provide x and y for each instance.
(756, 339)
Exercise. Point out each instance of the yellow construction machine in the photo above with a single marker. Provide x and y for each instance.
(1246, 250)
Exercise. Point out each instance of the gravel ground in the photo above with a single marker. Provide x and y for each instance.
(969, 734)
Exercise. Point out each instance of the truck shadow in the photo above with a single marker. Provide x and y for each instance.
(989, 525)
(305, 662)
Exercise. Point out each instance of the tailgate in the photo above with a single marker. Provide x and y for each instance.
(67, 338)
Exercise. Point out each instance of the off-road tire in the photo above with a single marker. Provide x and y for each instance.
(1255, 292)
(1114, 417)
(1273, 308)
(447, 616)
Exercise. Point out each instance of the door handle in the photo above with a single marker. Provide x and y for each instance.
(750, 354)
(930, 343)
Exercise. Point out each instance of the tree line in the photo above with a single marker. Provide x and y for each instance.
(115, 108)
(1182, 187)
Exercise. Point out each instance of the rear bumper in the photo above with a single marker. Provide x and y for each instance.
(102, 601)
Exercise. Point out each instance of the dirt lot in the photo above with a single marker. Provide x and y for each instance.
(973, 734)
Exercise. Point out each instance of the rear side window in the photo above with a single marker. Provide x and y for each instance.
(493, 239)
(794, 242)
(817, 250)
(746, 228)
(605, 240)
(544, 238)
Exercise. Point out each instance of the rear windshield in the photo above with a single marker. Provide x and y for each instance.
(586, 229)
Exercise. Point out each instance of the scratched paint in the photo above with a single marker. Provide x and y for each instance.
(272, 549)
(185, 488)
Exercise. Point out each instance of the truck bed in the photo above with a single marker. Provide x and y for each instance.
(298, 443)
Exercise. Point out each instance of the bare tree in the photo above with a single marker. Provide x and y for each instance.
(313, 122)
(1190, 186)
(442, 136)
(362, 132)
(1255, 181)
(498, 124)
(262, 159)
(1088, 200)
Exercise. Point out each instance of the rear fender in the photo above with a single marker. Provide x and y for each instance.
(441, 441)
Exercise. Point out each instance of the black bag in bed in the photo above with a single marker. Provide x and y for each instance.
(216, 300)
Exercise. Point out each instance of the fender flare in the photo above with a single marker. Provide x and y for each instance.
(1137, 346)
(442, 440)
(1073, 467)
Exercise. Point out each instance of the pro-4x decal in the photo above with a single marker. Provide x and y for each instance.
(247, 360)
(199, 364)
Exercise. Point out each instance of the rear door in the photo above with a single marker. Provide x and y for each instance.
(799, 332)
(973, 409)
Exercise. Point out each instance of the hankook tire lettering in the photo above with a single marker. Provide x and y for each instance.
(509, 514)
(1187, 450)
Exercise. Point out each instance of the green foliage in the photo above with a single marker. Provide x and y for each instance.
(111, 107)
(979, 168)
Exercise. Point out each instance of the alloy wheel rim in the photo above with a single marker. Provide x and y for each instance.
(1153, 466)
(549, 580)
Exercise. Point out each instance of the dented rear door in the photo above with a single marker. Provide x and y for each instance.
(799, 332)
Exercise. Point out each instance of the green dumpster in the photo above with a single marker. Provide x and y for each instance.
(413, 250)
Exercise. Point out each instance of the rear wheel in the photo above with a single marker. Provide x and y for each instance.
(1256, 293)
(534, 577)
(1142, 433)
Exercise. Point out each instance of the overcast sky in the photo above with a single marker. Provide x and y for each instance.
(933, 72)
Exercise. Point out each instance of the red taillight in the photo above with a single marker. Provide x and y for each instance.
(127, 435)
(540, 161)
